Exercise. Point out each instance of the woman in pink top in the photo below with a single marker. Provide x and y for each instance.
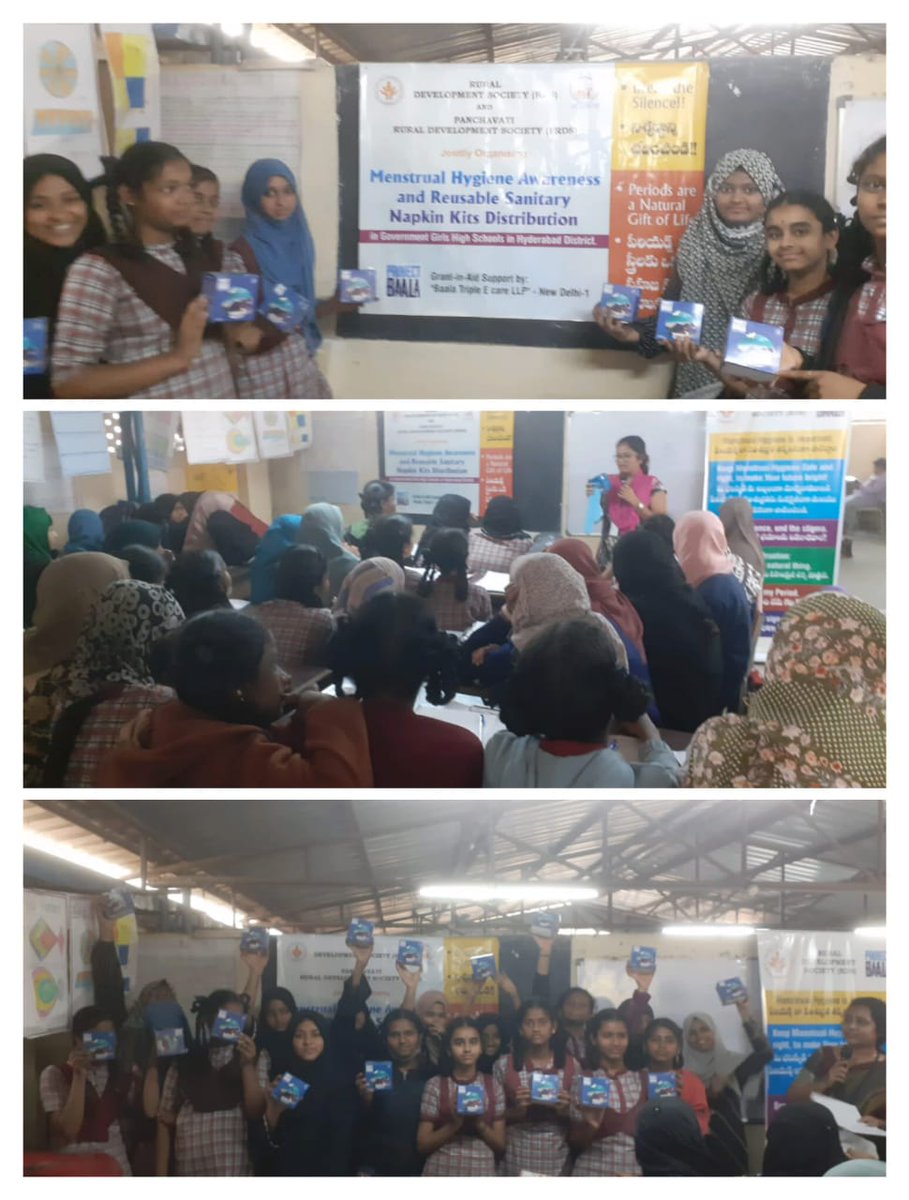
(629, 497)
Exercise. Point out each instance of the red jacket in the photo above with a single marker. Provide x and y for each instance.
(412, 751)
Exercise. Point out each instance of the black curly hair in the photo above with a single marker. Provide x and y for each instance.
(445, 554)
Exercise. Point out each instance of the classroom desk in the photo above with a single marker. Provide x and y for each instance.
(238, 604)
(310, 677)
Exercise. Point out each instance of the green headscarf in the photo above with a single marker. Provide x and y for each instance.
(37, 522)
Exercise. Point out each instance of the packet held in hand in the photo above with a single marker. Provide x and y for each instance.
(753, 350)
(379, 1076)
(621, 302)
(410, 954)
(282, 306)
(359, 932)
(99, 1046)
(544, 1089)
(170, 1042)
(483, 966)
(471, 1100)
(661, 1085)
(254, 940)
(117, 902)
(731, 991)
(228, 1026)
(679, 319)
(230, 297)
(643, 958)
(358, 287)
(289, 1090)
(596, 1091)
(34, 346)
(545, 924)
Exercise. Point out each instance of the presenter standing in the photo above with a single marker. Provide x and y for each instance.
(627, 498)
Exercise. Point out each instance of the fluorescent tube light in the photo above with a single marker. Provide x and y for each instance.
(871, 931)
(708, 931)
(506, 891)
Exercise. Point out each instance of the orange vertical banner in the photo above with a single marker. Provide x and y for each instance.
(496, 456)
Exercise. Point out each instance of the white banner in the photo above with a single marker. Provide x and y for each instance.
(430, 453)
(314, 966)
(485, 189)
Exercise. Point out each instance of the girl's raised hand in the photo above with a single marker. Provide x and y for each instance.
(618, 330)
(410, 979)
(192, 330)
(79, 1062)
(246, 1048)
(362, 954)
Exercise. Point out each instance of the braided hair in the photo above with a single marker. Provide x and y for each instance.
(392, 645)
(388, 537)
(138, 165)
(444, 555)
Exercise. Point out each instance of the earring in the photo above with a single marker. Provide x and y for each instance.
(832, 256)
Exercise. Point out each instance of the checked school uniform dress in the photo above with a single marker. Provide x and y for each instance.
(210, 1143)
(451, 614)
(101, 319)
(802, 319)
(54, 1089)
(487, 553)
(466, 1154)
(101, 731)
(539, 1143)
(301, 634)
(612, 1151)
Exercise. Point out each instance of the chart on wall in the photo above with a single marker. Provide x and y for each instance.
(791, 466)
(132, 57)
(214, 437)
(45, 976)
(516, 191)
(62, 110)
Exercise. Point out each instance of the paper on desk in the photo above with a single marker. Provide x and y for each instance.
(494, 581)
(847, 1116)
(463, 711)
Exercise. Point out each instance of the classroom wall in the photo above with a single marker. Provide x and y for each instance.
(861, 76)
(867, 441)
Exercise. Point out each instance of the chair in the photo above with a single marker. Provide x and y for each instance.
(873, 519)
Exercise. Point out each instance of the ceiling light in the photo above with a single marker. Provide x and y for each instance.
(871, 931)
(232, 29)
(71, 855)
(585, 932)
(506, 891)
(708, 931)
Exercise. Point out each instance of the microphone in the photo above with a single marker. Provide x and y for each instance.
(846, 1054)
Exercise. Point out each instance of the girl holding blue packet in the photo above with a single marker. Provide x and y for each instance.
(462, 1115)
(663, 1041)
(387, 1137)
(604, 1136)
(278, 359)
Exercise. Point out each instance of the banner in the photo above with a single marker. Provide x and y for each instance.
(484, 188)
(808, 980)
(459, 973)
(314, 966)
(427, 454)
(659, 128)
(791, 466)
(132, 57)
(62, 110)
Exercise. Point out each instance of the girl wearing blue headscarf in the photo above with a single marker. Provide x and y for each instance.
(282, 534)
(278, 353)
(85, 531)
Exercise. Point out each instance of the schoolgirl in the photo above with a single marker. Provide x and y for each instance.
(390, 1120)
(377, 500)
(663, 1043)
(455, 603)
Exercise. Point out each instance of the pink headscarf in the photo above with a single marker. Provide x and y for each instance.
(197, 535)
(700, 545)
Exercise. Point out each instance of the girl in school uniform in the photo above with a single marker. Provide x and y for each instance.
(201, 581)
(276, 244)
(296, 616)
(456, 1143)
(499, 539)
(377, 500)
(60, 224)
(455, 603)
(537, 1133)
(208, 1096)
(663, 1041)
(131, 321)
(604, 1137)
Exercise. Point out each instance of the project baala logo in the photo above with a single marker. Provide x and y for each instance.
(402, 283)
(875, 964)
(584, 91)
(389, 89)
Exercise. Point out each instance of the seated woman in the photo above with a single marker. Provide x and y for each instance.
(803, 1140)
(745, 551)
(84, 532)
(391, 537)
(132, 533)
(105, 682)
(366, 580)
(455, 603)
(322, 526)
(680, 635)
(856, 1071)
(670, 1142)
(220, 522)
(820, 718)
(564, 691)
(377, 500)
(148, 566)
(700, 546)
(390, 649)
(297, 617)
(219, 731)
(499, 539)
(40, 541)
(201, 581)
(283, 533)
(451, 511)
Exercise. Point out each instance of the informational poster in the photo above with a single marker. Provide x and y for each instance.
(808, 981)
(461, 995)
(33, 470)
(314, 967)
(273, 435)
(133, 60)
(45, 976)
(216, 478)
(213, 437)
(62, 109)
(484, 187)
(791, 466)
(299, 426)
(159, 429)
(659, 130)
(83, 933)
(429, 454)
(81, 443)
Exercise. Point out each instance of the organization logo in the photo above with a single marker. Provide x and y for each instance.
(583, 90)
(389, 89)
(875, 964)
(297, 951)
(776, 964)
(402, 283)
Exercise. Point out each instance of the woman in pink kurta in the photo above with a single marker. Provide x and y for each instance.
(629, 497)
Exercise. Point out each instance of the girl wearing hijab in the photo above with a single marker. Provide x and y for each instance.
(368, 579)
(718, 263)
(724, 1074)
(219, 732)
(745, 550)
(274, 1035)
(820, 718)
(391, 648)
(499, 540)
(700, 546)
(315, 1138)
(178, 520)
(670, 1142)
(111, 662)
(377, 500)
(297, 617)
(450, 512)
(680, 635)
(132, 533)
(132, 321)
(60, 224)
(275, 243)
(802, 1140)
(220, 522)
(67, 591)
(38, 554)
(85, 532)
(559, 701)
(323, 527)
(263, 573)
(209, 1095)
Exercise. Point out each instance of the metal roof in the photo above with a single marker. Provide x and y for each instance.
(579, 43)
(314, 864)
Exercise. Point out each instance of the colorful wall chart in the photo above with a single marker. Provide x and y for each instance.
(791, 466)
(45, 976)
(213, 437)
(133, 60)
(808, 980)
(62, 109)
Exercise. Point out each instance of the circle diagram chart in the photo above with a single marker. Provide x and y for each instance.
(57, 69)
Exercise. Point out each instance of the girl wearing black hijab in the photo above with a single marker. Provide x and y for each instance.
(451, 512)
(276, 1018)
(669, 1142)
(681, 639)
(802, 1139)
(178, 520)
(316, 1137)
(60, 224)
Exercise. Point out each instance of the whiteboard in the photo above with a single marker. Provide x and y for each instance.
(861, 122)
(675, 442)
